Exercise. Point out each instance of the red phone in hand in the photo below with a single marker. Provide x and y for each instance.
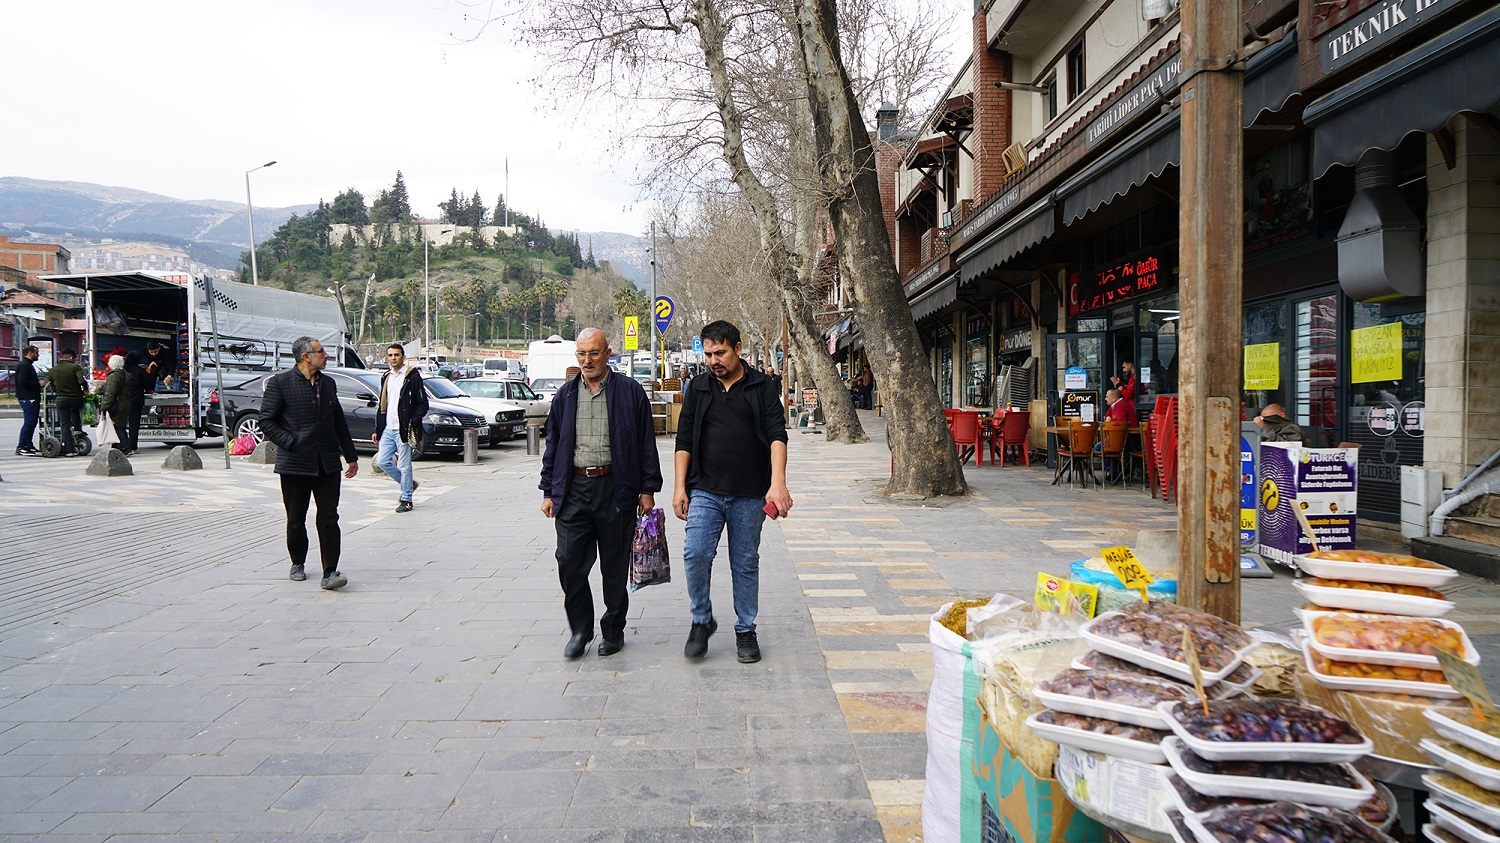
(771, 510)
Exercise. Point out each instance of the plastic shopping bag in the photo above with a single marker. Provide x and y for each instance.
(104, 432)
(649, 561)
(242, 445)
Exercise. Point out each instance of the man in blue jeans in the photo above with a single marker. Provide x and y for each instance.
(730, 471)
(28, 393)
(398, 421)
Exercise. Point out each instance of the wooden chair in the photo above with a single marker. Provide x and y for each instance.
(1012, 437)
(1139, 455)
(965, 427)
(1081, 439)
(1112, 437)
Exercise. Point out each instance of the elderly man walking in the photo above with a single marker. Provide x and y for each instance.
(301, 414)
(599, 470)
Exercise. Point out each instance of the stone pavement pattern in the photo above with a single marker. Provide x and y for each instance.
(160, 678)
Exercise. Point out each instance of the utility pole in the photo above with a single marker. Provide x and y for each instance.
(651, 309)
(1211, 260)
(364, 309)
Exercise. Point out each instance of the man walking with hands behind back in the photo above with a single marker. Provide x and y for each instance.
(599, 470)
(301, 414)
(730, 471)
(403, 403)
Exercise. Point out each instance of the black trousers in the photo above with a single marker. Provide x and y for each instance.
(588, 524)
(297, 491)
(133, 425)
(120, 421)
(70, 419)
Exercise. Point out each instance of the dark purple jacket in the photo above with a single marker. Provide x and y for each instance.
(632, 442)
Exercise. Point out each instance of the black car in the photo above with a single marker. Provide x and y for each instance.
(442, 428)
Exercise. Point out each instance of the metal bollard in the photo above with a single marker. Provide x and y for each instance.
(533, 439)
(471, 447)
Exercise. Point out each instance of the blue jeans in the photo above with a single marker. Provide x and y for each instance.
(708, 513)
(394, 458)
(28, 424)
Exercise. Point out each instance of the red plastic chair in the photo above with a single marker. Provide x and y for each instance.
(965, 429)
(1012, 436)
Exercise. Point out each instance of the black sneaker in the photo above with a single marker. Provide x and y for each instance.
(747, 647)
(298, 574)
(404, 506)
(335, 580)
(697, 643)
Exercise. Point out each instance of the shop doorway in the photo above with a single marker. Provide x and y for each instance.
(1076, 363)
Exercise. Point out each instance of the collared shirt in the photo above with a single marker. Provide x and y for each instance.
(732, 459)
(591, 443)
(393, 383)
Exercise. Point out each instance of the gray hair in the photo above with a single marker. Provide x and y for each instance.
(116, 362)
(301, 346)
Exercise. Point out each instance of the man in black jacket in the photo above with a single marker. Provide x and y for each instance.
(600, 468)
(300, 412)
(28, 394)
(730, 471)
(398, 421)
(69, 385)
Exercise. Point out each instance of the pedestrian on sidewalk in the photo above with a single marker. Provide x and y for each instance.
(138, 390)
(29, 396)
(730, 471)
(300, 413)
(599, 470)
(403, 403)
(69, 385)
(114, 399)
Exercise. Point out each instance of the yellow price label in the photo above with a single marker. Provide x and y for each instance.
(1465, 679)
(1122, 560)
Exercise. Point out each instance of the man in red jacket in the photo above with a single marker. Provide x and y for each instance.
(1127, 384)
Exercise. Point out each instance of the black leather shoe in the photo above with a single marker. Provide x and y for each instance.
(747, 648)
(608, 647)
(697, 643)
(577, 645)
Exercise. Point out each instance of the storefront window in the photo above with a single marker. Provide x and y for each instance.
(1316, 369)
(1265, 348)
(977, 362)
(1387, 412)
(945, 370)
(1156, 347)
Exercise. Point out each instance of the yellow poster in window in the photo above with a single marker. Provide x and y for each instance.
(1263, 366)
(1375, 353)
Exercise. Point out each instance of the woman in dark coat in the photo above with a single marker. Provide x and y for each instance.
(138, 377)
(114, 399)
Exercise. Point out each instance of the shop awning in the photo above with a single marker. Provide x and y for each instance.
(1023, 231)
(1145, 154)
(935, 298)
(113, 281)
(1271, 78)
(1418, 92)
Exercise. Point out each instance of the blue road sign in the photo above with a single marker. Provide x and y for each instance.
(663, 309)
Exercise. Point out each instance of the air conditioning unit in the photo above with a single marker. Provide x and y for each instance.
(947, 219)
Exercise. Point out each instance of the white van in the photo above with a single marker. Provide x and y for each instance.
(502, 367)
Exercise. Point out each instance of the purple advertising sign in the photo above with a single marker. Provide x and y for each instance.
(1322, 482)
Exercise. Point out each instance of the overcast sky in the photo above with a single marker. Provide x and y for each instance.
(180, 98)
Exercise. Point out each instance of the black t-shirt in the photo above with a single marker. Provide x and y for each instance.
(732, 460)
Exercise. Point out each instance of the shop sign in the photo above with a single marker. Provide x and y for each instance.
(1017, 340)
(1118, 282)
(1376, 353)
(1248, 482)
(1383, 419)
(1148, 92)
(990, 213)
(1076, 377)
(1263, 366)
(1414, 419)
(1374, 28)
(1322, 483)
(1081, 404)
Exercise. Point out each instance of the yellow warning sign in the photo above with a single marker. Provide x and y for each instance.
(632, 333)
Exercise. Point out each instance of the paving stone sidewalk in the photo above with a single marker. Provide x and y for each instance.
(160, 678)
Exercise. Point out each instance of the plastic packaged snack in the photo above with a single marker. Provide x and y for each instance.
(1152, 638)
(1286, 822)
(1265, 730)
(1097, 734)
(1384, 639)
(1374, 567)
(1333, 785)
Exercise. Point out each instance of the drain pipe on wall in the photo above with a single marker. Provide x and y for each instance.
(1464, 493)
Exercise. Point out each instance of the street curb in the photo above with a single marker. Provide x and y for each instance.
(10, 412)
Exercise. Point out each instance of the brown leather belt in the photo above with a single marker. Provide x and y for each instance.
(593, 470)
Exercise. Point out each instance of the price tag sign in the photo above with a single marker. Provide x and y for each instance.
(1190, 655)
(1465, 679)
(1128, 568)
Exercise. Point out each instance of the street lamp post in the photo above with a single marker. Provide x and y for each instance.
(475, 314)
(250, 215)
(427, 295)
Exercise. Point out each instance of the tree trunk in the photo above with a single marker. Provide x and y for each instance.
(926, 463)
(838, 404)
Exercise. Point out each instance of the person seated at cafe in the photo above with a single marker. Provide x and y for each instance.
(1276, 427)
(1118, 409)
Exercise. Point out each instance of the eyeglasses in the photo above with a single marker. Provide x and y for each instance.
(319, 351)
(588, 355)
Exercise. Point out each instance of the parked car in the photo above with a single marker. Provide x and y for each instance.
(546, 387)
(507, 418)
(509, 390)
(442, 428)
